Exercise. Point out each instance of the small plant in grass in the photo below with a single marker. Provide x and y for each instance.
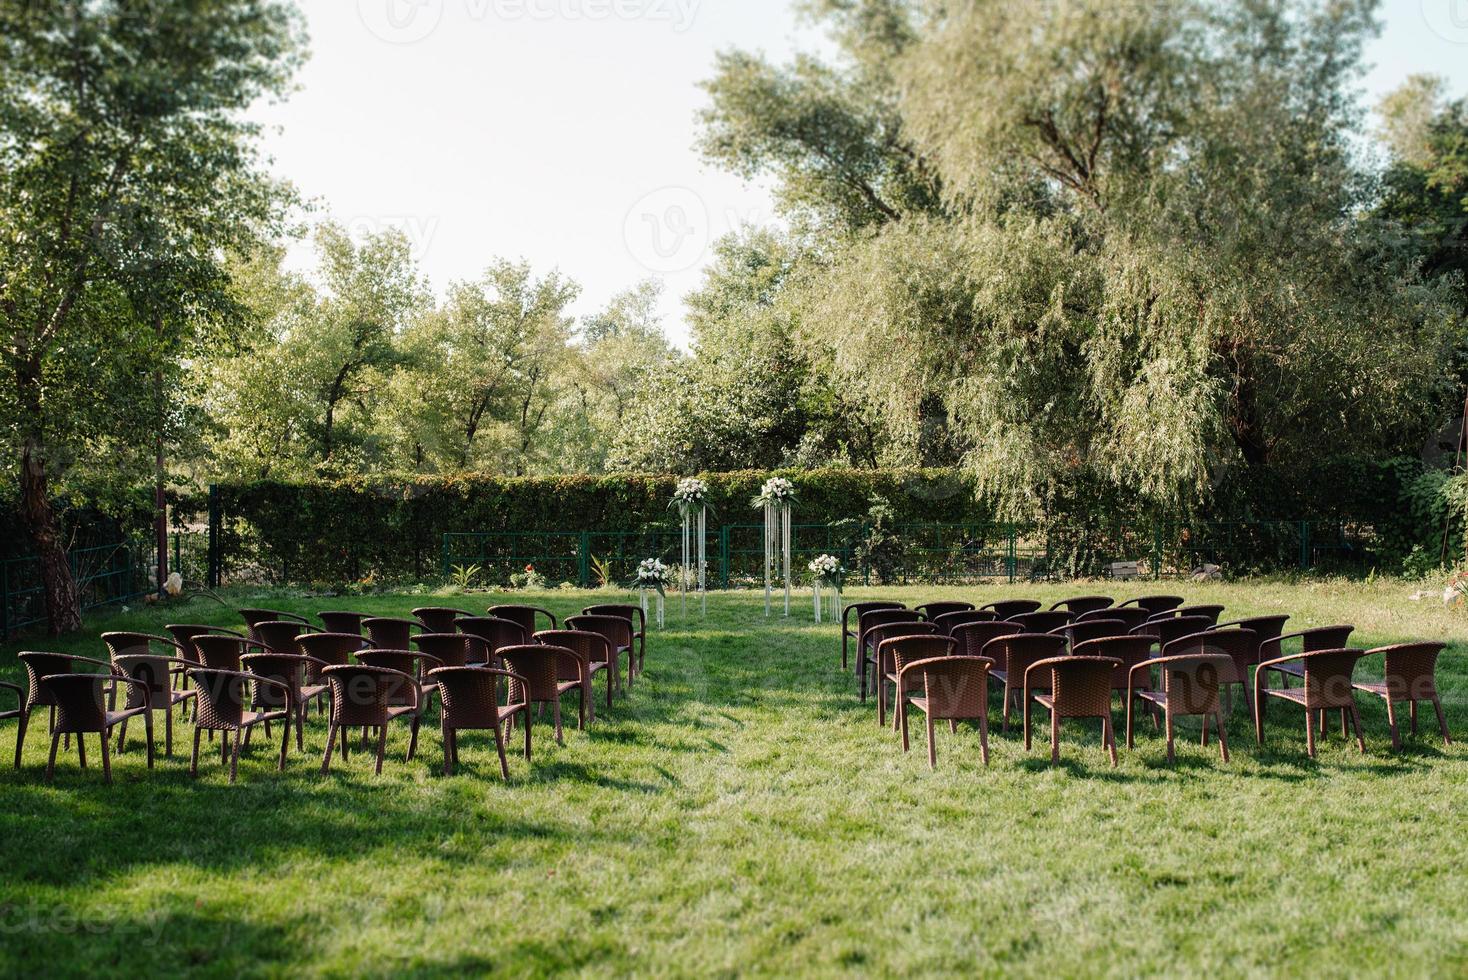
(1455, 596)
(528, 579)
(465, 577)
(601, 572)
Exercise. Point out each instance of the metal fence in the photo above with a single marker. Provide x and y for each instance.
(929, 553)
(104, 575)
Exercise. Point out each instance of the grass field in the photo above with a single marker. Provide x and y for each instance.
(742, 812)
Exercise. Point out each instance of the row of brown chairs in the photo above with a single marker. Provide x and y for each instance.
(236, 682)
(1198, 659)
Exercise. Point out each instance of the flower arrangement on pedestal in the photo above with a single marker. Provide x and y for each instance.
(827, 573)
(776, 497)
(652, 575)
(691, 499)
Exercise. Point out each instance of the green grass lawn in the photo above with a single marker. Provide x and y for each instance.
(742, 812)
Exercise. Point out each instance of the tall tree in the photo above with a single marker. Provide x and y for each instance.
(126, 168)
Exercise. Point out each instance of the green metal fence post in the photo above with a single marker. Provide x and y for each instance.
(216, 561)
(724, 554)
(1011, 557)
(1304, 546)
(444, 557)
(584, 555)
(1157, 552)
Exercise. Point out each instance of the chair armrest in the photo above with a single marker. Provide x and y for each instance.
(1266, 664)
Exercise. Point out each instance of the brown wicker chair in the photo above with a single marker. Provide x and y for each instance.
(1133, 616)
(897, 652)
(1315, 638)
(539, 683)
(948, 622)
(40, 665)
(223, 696)
(1263, 627)
(857, 609)
(1191, 685)
(1076, 687)
(415, 664)
(593, 650)
(1078, 605)
(183, 634)
(288, 692)
(493, 634)
(1013, 655)
(1409, 673)
(932, 610)
(470, 700)
(1327, 684)
(618, 633)
(1092, 629)
(1128, 651)
(80, 711)
(390, 633)
(330, 649)
(439, 619)
(342, 621)
(1166, 629)
(954, 688)
(1241, 646)
(19, 701)
(134, 655)
(873, 635)
(524, 615)
(879, 616)
(220, 652)
(971, 637)
(370, 697)
(449, 649)
(1041, 622)
(1209, 612)
(627, 611)
(254, 616)
(1009, 608)
(1154, 604)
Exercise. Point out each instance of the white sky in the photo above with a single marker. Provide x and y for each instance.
(562, 131)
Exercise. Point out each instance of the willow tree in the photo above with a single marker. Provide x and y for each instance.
(127, 168)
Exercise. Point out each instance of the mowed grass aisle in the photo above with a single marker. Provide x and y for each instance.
(742, 812)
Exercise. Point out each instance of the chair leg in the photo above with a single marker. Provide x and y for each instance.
(1206, 719)
(932, 747)
(381, 748)
(1026, 718)
(300, 726)
(1008, 700)
(1344, 732)
(984, 733)
(1222, 737)
(1412, 710)
(224, 747)
(81, 749)
(121, 733)
(194, 757)
(527, 732)
(106, 759)
(1258, 717)
(881, 702)
(1130, 741)
(148, 733)
(234, 761)
(1442, 721)
(1310, 733)
(168, 733)
(1356, 724)
(448, 751)
(499, 747)
(1110, 737)
(902, 722)
(330, 741)
(1054, 737)
(285, 737)
(1171, 731)
(556, 715)
(25, 716)
(413, 738)
(51, 763)
(1391, 721)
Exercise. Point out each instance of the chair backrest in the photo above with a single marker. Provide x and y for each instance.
(588, 646)
(1041, 622)
(138, 644)
(626, 610)
(219, 652)
(1194, 682)
(361, 694)
(955, 687)
(78, 700)
(469, 695)
(449, 649)
(252, 617)
(1328, 675)
(403, 662)
(494, 633)
(1080, 686)
(1410, 670)
(1077, 605)
(220, 702)
(40, 665)
(1241, 646)
(1167, 630)
(874, 638)
(948, 622)
(1133, 616)
(522, 614)
(1008, 608)
(183, 634)
(388, 633)
(932, 610)
(152, 672)
(1210, 612)
(284, 668)
(1016, 652)
(279, 635)
(873, 618)
(1128, 651)
(971, 637)
(342, 621)
(1264, 627)
(897, 652)
(333, 648)
(538, 665)
(616, 629)
(1092, 629)
(1155, 604)
(855, 610)
(439, 619)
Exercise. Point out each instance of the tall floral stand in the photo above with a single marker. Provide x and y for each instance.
(777, 550)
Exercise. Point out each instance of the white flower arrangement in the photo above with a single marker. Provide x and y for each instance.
(691, 492)
(652, 574)
(827, 570)
(776, 490)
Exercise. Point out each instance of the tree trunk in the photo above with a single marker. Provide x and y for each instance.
(160, 496)
(63, 602)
